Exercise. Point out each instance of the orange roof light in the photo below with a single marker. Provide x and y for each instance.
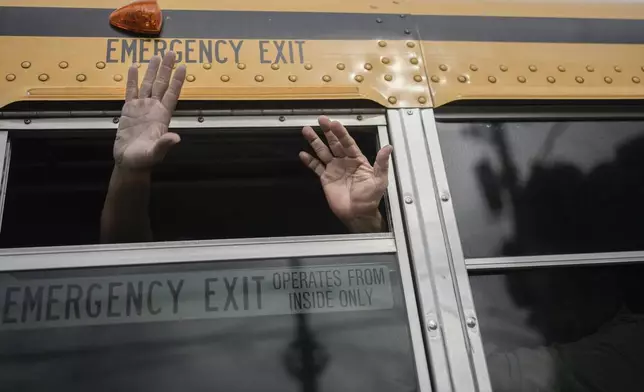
(143, 17)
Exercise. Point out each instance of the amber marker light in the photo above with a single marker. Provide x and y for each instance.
(142, 17)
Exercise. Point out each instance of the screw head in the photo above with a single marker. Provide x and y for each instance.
(432, 325)
(116, 120)
(409, 200)
(359, 118)
(27, 121)
(378, 20)
(470, 322)
(407, 31)
(201, 119)
(445, 196)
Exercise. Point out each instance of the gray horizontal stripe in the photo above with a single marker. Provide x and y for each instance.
(81, 22)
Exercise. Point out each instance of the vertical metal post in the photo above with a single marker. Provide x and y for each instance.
(455, 251)
(407, 281)
(5, 159)
(445, 334)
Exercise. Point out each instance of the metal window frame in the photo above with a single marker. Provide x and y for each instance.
(560, 260)
(5, 161)
(211, 122)
(240, 249)
(445, 331)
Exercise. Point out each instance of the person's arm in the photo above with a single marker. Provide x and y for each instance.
(142, 141)
(353, 187)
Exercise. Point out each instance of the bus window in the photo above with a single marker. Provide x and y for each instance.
(294, 324)
(215, 184)
(534, 188)
(562, 329)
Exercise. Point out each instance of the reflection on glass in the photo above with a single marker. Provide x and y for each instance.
(563, 329)
(546, 188)
(309, 324)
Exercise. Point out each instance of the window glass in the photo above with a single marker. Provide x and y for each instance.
(563, 329)
(215, 184)
(529, 188)
(306, 324)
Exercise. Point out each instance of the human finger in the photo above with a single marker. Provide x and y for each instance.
(334, 143)
(164, 144)
(150, 75)
(349, 145)
(312, 163)
(321, 150)
(381, 166)
(162, 80)
(132, 86)
(171, 96)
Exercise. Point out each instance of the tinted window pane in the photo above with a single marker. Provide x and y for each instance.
(573, 329)
(546, 188)
(211, 326)
(215, 184)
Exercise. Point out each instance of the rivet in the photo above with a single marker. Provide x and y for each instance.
(411, 44)
(241, 66)
(561, 68)
(368, 67)
(385, 60)
(410, 112)
(378, 20)
(491, 79)
(443, 67)
(10, 77)
(408, 199)
(521, 79)
(225, 78)
(617, 68)
(413, 60)
(292, 78)
(326, 78)
(462, 79)
(191, 78)
(579, 79)
(282, 118)
(308, 67)
(259, 78)
(389, 78)
(551, 79)
(200, 119)
(359, 78)
(403, 15)
(359, 117)
(63, 64)
(474, 67)
(207, 66)
(635, 79)
(435, 79)
(590, 68)
(407, 31)
(382, 44)
(275, 66)
(471, 322)
(25, 64)
(81, 77)
(418, 78)
(445, 196)
(27, 121)
(533, 68)
(100, 65)
(392, 100)
(422, 100)
(43, 77)
(341, 66)
(118, 78)
(503, 68)
(116, 120)
(432, 325)
(608, 80)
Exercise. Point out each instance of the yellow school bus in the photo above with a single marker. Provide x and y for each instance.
(510, 255)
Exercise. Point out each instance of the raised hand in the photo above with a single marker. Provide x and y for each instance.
(142, 139)
(353, 187)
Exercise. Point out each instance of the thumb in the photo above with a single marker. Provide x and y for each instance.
(163, 145)
(381, 167)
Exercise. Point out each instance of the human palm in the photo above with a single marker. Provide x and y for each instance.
(352, 186)
(142, 139)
